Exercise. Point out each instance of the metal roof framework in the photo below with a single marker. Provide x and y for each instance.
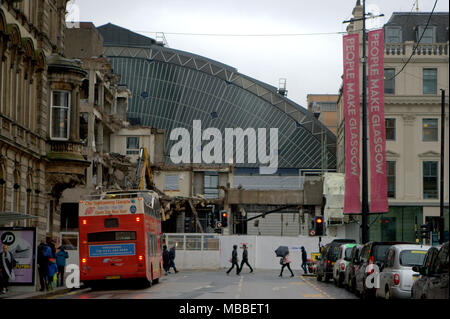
(300, 117)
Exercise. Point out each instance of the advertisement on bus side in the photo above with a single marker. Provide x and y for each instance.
(111, 207)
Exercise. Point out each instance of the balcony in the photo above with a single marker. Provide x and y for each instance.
(406, 49)
(66, 156)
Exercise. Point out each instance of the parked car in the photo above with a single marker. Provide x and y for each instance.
(328, 257)
(397, 275)
(349, 277)
(419, 283)
(435, 276)
(345, 252)
(373, 252)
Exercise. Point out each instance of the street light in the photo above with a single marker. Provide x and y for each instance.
(365, 197)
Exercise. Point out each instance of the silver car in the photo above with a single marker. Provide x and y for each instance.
(397, 276)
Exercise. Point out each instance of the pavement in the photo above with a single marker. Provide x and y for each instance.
(41, 294)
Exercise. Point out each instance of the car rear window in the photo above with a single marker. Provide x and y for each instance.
(379, 252)
(333, 253)
(111, 236)
(412, 257)
(348, 253)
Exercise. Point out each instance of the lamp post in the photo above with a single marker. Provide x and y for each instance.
(442, 220)
(365, 190)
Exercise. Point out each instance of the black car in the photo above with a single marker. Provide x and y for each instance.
(349, 278)
(433, 282)
(328, 257)
(373, 252)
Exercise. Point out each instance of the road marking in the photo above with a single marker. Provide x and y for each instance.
(308, 281)
(297, 283)
(239, 288)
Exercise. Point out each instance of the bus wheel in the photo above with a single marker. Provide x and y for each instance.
(155, 281)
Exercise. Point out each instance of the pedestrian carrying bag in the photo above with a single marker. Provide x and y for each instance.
(281, 261)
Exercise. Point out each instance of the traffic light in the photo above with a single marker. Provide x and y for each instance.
(318, 226)
(425, 230)
(224, 218)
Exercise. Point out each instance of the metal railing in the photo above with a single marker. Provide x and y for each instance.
(192, 241)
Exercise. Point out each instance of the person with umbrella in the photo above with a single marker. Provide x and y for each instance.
(283, 252)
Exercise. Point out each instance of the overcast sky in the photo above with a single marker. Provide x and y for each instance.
(310, 63)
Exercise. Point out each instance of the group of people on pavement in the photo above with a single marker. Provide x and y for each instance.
(51, 264)
(235, 262)
(7, 264)
(285, 261)
(169, 260)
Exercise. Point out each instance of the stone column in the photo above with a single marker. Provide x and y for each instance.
(407, 161)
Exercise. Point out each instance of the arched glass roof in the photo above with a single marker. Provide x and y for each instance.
(172, 88)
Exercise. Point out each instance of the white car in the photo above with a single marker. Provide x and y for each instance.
(343, 259)
(397, 276)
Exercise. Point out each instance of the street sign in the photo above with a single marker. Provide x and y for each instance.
(312, 232)
(219, 224)
(314, 256)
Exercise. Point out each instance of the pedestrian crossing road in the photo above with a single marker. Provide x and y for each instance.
(210, 284)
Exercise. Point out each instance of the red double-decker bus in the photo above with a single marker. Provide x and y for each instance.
(120, 237)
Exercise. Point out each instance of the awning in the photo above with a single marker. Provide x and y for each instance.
(8, 217)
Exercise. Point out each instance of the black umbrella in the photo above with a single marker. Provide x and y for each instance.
(282, 251)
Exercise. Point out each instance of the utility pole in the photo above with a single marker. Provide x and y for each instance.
(365, 190)
(365, 197)
(441, 220)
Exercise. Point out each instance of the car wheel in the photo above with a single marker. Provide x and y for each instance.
(387, 293)
(340, 283)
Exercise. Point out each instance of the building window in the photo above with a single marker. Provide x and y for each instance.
(390, 168)
(430, 180)
(393, 34)
(133, 145)
(429, 81)
(389, 81)
(211, 184)
(428, 36)
(60, 115)
(430, 130)
(171, 183)
(390, 129)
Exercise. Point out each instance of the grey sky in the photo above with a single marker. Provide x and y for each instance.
(311, 64)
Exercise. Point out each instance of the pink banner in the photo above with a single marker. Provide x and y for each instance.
(377, 131)
(352, 202)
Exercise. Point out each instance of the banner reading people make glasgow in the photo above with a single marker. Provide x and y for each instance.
(377, 132)
(352, 202)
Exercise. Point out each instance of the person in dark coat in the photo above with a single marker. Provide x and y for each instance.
(172, 260)
(304, 260)
(285, 263)
(7, 264)
(51, 244)
(166, 260)
(234, 260)
(43, 256)
(245, 259)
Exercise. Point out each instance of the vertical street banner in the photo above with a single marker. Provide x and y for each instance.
(21, 243)
(352, 201)
(377, 132)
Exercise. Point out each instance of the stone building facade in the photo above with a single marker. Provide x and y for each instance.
(413, 121)
(40, 149)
